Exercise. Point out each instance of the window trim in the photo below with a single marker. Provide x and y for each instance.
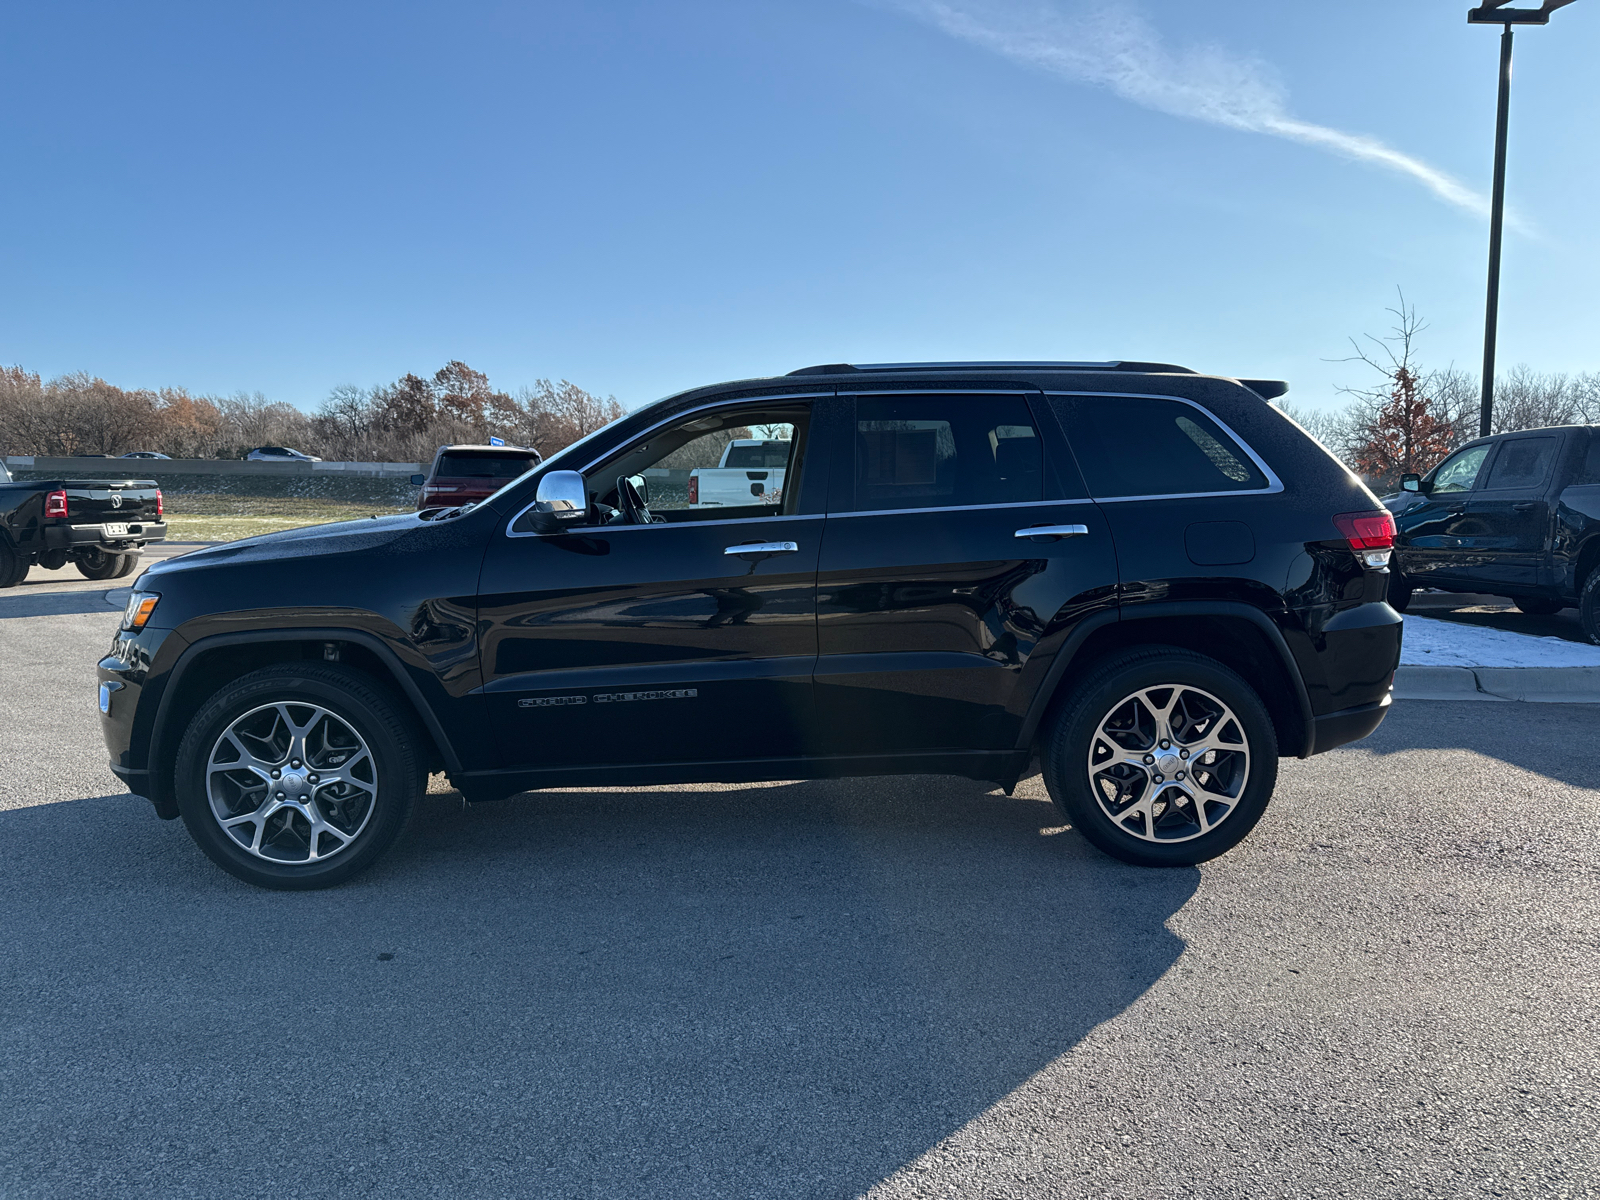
(1274, 484)
(680, 415)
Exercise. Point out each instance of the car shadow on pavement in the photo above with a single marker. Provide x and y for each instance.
(55, 604)
(765, 990)
(1554, 740)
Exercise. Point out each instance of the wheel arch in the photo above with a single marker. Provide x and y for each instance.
(1237, 635)
(213, 661)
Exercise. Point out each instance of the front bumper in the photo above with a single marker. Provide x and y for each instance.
(95, 537)
(127, 719)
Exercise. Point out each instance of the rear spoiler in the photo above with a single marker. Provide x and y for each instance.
(1267, 389)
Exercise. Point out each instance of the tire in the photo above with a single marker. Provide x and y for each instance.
(1589, 607)
(13, 565)
(1537, 606)
(130, 564)
(97, 564)
(366, 738)
(1119, 807)
(1399, 591)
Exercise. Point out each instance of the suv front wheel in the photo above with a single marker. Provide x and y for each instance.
(1162, 758)
(298, 775)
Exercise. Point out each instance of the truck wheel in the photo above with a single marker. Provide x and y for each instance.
(1589, 607)
(298, 775)
(1537, 606)
(130, 564)
(13, 565)
(1162, 758)
(97, 564)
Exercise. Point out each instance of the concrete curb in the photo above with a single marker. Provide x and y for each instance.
(1545, 685)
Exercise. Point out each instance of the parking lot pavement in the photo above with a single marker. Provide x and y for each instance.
(906, 987)
(1496, 612)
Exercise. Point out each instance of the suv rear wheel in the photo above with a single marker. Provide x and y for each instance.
(298, 775)
(1162, 758)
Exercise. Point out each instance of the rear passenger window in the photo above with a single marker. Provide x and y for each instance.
(1522, 463)
(1139, 446)
(943, 451)
(1589, 470)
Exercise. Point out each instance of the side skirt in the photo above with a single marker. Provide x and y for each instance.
(1002, 767)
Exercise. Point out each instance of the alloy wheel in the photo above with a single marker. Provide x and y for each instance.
(1168, 763)
(292, 783)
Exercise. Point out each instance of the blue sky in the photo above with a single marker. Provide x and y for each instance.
(641, 197)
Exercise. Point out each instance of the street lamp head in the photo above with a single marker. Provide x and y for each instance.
(1495, 12)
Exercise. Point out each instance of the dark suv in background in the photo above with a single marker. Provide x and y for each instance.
(1149, 580)
(1514, 515)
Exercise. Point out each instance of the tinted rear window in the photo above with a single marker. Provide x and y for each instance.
(1522, 463)
(943, 451)
(768, 455)
(484, 466)
(1139, 446)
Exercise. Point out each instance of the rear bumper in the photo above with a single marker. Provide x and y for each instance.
(93, 537)
(1348, 725)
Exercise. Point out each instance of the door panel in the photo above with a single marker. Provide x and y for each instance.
(929, 607)
(650, 643)
(926, 621)
(1435, 535)
(1508, 517)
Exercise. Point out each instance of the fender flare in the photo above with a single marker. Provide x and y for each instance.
(369, 641)
(1173, 608)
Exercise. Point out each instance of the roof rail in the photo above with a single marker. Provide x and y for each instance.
(1143, 368)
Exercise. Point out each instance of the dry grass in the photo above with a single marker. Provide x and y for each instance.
(214, 517)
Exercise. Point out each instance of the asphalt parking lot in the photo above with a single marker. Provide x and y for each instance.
(902, 988)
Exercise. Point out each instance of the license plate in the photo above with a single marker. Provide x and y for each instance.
(116, 529)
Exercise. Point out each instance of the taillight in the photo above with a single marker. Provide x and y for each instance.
(158, 502)
(55, 504)
(694, 489)
(1370, 534)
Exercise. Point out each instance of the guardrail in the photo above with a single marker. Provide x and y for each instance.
(155, 468)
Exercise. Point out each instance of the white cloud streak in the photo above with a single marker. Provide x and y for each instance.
(1113, 47)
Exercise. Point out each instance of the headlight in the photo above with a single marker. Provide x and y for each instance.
(140, 606)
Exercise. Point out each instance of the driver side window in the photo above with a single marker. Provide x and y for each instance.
(1458, 474)
(714, 466)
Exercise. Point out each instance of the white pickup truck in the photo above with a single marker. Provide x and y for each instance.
(751, 472)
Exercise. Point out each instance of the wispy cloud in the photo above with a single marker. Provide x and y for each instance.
(1111, 46)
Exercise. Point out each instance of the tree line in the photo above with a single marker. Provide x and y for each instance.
(1410, 417)
(403, 421)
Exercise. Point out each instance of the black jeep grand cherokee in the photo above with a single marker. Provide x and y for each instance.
(1151, 580)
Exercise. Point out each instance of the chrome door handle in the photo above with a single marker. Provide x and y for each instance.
(764, 548)
(1053, 531)
(1524, 507)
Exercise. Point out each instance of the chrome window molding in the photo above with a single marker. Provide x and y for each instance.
(661, 424)
(946, 508)
(1274, 484)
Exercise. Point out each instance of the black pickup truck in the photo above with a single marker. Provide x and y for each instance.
(1515, 515)
(102, 525)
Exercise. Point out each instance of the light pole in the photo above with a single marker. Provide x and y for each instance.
(1495, 12)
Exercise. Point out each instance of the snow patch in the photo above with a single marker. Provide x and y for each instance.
(1430, 643)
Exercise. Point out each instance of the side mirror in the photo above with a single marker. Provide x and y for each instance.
(418, 480)
(1410, 482)
(562, 501)
(642, 486)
